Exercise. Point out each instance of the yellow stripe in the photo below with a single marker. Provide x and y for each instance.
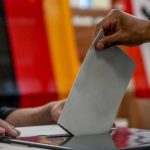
(61, 44)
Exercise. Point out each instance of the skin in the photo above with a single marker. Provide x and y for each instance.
(46, 114)
(121, 28)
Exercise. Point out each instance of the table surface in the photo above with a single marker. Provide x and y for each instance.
(120, 138)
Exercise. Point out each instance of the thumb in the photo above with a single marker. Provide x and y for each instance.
(56, 110)
(107, 42)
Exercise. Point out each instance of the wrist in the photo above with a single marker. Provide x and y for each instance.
(46, 112)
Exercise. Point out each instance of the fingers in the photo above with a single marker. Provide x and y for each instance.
(108, 41)
(109, 23)
(18, 132)
(111, 27)
(102, 25)
(2, 131)
(55, 113)
(118, 30)
(56, 110)
(7, 129)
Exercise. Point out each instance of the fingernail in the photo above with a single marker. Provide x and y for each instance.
(13, 131)
(100, 46)
(18, 132)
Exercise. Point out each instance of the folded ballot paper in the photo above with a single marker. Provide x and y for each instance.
(97, 91)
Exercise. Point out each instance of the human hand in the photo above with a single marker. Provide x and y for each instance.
(45, 114)
(57, 109)
(7, 129)
(121, 28)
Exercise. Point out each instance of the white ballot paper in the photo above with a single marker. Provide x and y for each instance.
(50, 130)
(97, 92)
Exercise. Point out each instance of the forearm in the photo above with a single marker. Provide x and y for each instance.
(31, 116)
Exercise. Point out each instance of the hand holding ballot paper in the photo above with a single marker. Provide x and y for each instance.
(121, 28)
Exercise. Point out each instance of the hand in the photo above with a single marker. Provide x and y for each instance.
(121, 28)
(7, 129)
(57, 109)
(46, 114)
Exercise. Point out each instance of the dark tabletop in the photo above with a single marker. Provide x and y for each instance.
(120, 138)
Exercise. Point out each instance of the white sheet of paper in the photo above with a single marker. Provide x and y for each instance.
(97, 92)
(41, 130)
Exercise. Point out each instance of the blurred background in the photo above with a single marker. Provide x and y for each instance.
(43, 43)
